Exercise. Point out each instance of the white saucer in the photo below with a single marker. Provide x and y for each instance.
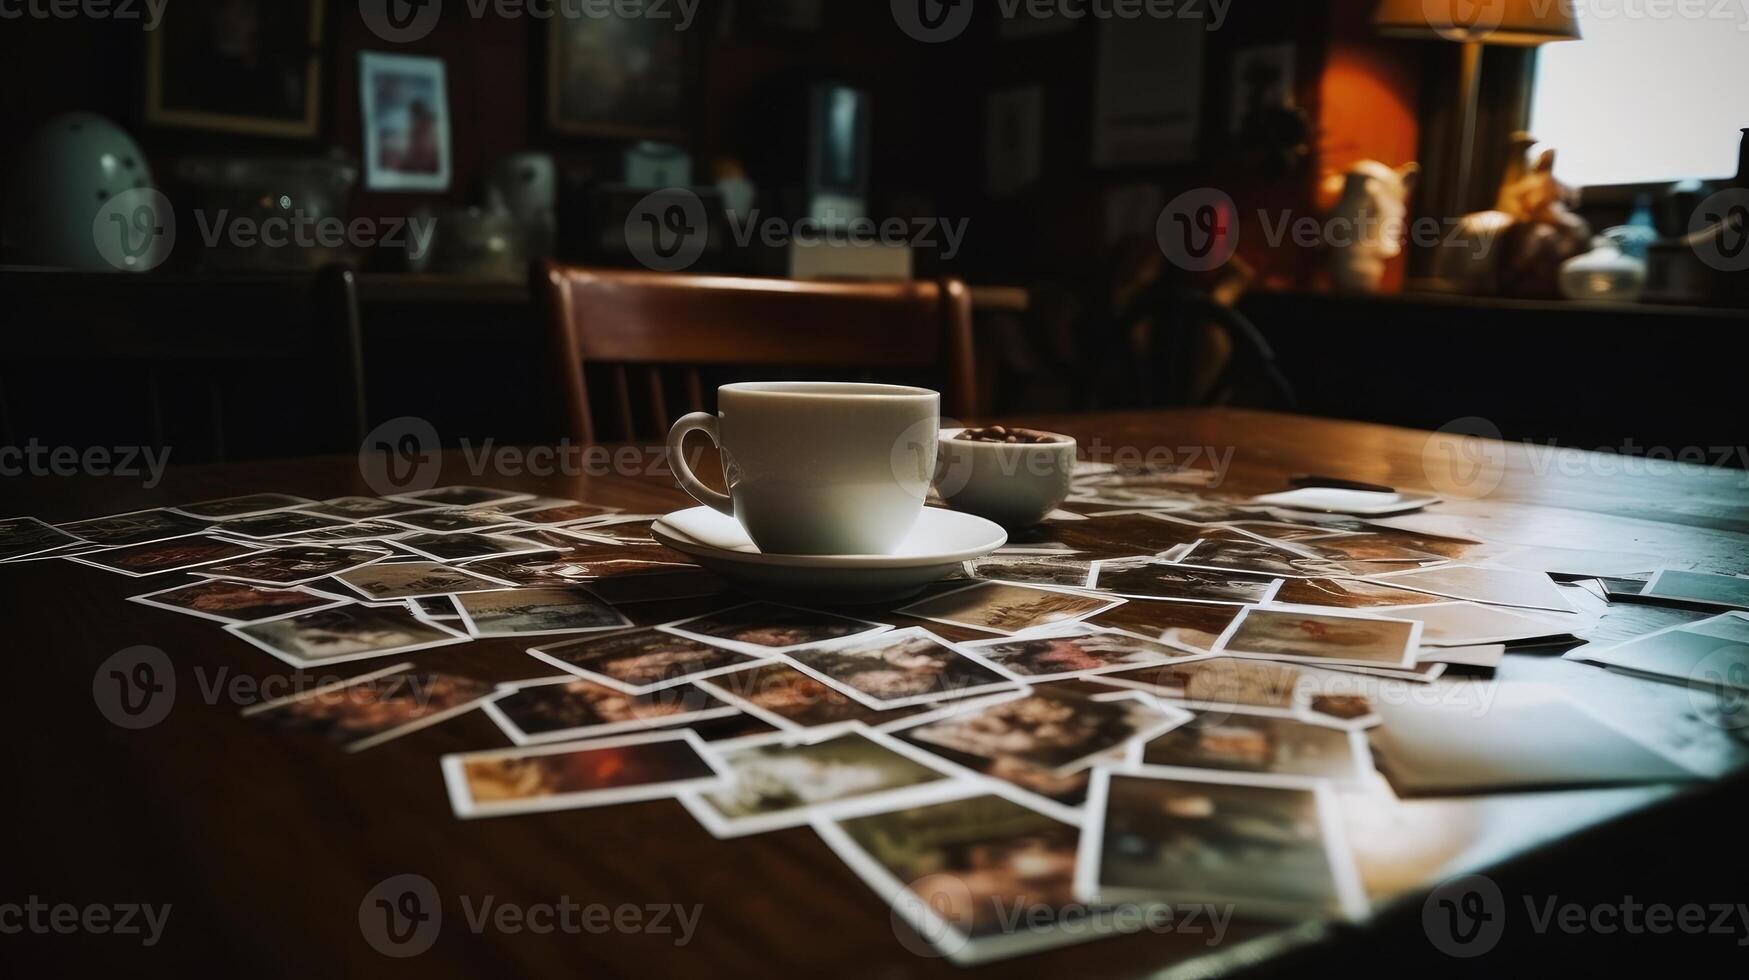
(935, 548)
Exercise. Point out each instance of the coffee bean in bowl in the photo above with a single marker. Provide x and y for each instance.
(1010, 475)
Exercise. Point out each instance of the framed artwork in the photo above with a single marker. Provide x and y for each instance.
(619, 77)
(1148, 92)
(404, 105)
(237, 66)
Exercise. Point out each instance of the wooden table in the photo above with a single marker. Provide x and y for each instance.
(266, 845)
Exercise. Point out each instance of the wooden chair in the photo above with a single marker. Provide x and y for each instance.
(650, 321)
(211, 367)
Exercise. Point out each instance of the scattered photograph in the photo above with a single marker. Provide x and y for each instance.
(226, 601)
(1495, 586)
(1151, 578)
(793, 700)
(1059, 570)
(954, 871)
(1348, 593)
(1258, 558)
(649, 584)
(621, 528)
(563, 709)
(1360, 548)
(532, 612)
(363, 508)
(1223, 683)
(1122, 534)
(139, 527)
(1699, 588)
(640, 661)
(345, 633)
(560, 540)
(176, 554)
(767, 627)
(465, 547)
(1331, 638)
(783, 781)
(1711, 654)
(565, 513)
(367, 711)
(384, 582)
(278, 524)
(461, 496)
(1269, 851)
(1048, 729)
(362, 531)
(997, 607)
(21, 537)
(1287, 751)
(1188, 625)
(447, 520)
(567, 777)
(295, 565)
(253, 505)
(1076, 652)
(900, 668)
(1471, 623)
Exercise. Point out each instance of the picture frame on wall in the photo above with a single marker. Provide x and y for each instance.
(404, 106)
(237, 66)
(619, 77)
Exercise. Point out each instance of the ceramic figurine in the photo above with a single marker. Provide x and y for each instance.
(1368, 223)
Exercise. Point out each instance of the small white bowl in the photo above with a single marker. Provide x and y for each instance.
(1015, 484)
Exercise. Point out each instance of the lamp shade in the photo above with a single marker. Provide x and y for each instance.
(1517, 22)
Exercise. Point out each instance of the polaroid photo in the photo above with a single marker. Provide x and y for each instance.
(786, 779)
(441, 608)
(641, 661)
(231, 508)
(137, 527)
(466, 547)
(461, 497)
(1149, 577)
(764, 628)
(997, 607)
(1129, 532)
(564, 709)
(1049, 730)
(901, 668)
(657, 585)
(578, 775)
(363, 508)
(23, 537)
(1475, 583)
(1344, 593)
(544, 569)
(1256, 557)
(1364, 548)
(1424, 672)
(536, 612)
(226, 601)
(1487, 656)
(1075, 651)
(451, 520)
(562, 540)
(1460, 624)
(560, 512)
(953, 871)
(279, 524)
(1699, 588)
(619, 528)
(384, 582)
(793, 700)
(366, 711)
(1269, 749)
(1711, 654)
(1224, 683)
(294, 565)
(161, 557)
(342, 634)
(1057, 570)
(1270, 852)
(1322, 637)
(363, 532)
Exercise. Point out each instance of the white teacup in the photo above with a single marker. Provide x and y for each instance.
(818, 468)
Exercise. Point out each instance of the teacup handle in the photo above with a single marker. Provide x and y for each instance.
(696, 422)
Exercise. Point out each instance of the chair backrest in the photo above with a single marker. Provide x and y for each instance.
(210, 367)
(649, 321)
